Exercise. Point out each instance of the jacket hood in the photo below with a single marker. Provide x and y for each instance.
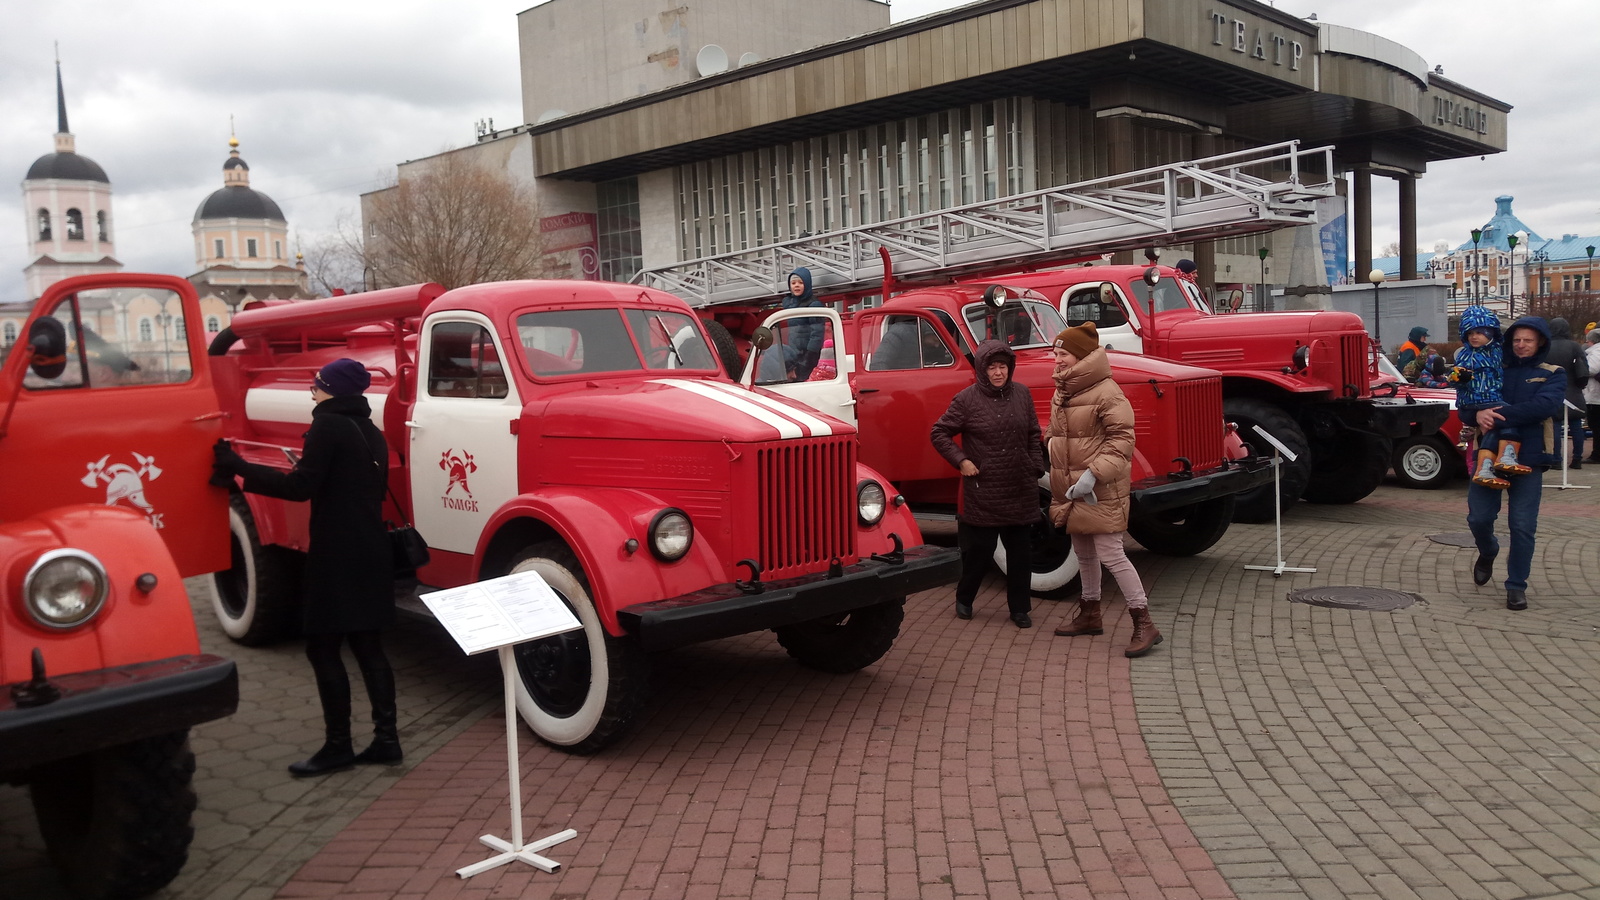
(1559, 329)
(1087, 372)
(993, 351)
(1537, 323)
(1418, 336)
(790, 301)
(1479, 317)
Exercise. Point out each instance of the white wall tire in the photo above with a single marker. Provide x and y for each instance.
(255, 599)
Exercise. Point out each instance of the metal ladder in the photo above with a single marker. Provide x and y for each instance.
(1246, 192)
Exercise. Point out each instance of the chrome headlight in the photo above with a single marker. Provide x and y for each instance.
(1301, 358)
(870, 502)
(64, 589)
(671, 534)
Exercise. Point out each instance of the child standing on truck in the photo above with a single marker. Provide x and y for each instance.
(1478, 377)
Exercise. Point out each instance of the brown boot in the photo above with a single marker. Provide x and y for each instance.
(1087, 621)
(1145, 634)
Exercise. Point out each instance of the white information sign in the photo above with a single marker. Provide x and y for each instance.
(501, 611)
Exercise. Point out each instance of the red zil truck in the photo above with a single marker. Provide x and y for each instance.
(899, 365)
(1305, 377)
(586, 431)
(101, 674)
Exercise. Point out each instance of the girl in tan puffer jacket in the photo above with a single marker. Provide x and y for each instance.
(1091, 451)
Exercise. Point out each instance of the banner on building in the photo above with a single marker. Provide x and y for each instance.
(1333, 230)
(571, 245)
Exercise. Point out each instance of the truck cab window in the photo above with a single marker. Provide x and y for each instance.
(1029, 323)
(99, 354)
(463, 361)
(1084, 305)
(564, 342)
(908, 342)
(669, 340)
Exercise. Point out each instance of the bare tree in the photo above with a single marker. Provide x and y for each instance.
(453, 223)
(1390, 249)
(336, 261)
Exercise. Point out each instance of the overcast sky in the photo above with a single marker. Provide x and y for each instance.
(328, 96)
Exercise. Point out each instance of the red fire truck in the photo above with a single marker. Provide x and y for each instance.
(101, 674)
(1305, 377)
(586, 431)
(899, 365)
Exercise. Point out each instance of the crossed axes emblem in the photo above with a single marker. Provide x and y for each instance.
(125, 482)
(459, 467)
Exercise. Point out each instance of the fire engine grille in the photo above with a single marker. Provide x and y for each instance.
(1353, 353)
(1199, 428)
(806, 511)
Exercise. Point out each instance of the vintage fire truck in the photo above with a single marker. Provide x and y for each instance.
(899, 365)
(101, 674)
(1305, 377)
(586, 431)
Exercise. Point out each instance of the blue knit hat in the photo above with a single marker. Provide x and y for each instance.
(344, 378)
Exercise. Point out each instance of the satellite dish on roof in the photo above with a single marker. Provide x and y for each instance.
(711, 60)
(749, 58)
(549, 115)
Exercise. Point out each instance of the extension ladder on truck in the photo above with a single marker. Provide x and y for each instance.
(1246, 192)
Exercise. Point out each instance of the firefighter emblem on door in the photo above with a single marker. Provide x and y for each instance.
(125, 483)
(457, 467)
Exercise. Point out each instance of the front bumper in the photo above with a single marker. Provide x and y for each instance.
(107, 707)
(725, 610)
(1154, 495)
(1390, 417)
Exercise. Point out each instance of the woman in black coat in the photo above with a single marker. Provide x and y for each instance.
(349, 573)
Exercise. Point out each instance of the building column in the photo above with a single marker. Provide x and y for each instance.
(1205, 252)
(1118, 137)
(1408, 226)
(1362, 179)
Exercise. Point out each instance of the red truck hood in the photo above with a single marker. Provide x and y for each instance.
(679, 409)
(1185, 325)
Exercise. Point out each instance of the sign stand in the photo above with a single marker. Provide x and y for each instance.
(1566, 449)
(495, 615)
(1279, 451)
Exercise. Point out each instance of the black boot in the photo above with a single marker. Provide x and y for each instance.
(379, 677)
(333, 689)
(336, 755)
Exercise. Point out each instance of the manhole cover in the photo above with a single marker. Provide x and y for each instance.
(1354, 597)
(1462, 538)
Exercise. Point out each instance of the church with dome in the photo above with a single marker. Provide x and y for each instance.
(241, 243)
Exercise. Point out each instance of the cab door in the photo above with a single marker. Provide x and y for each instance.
(908, 369)
(825, 388)
(107, 398)
(463, 463)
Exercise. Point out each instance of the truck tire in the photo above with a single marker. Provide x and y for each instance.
(847, 642)
(1424, 462)
(579, 691)
(1352, 466)
(727, 350)
(1054, 564)
(256, 599)
(117, 821)
(1255, 505)
(1186, 530)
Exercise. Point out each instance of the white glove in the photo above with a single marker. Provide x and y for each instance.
(1083, 489)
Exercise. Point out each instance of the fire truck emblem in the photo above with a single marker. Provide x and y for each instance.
(458, 467)
(126, 483)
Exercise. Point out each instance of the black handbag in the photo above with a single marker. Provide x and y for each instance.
(408, 549)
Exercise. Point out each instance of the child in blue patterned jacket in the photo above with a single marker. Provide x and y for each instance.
(1478, 376)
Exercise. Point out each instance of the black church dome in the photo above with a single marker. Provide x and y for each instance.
(69, 166)
(237, 201)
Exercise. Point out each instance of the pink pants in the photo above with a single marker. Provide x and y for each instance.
(1095, 550)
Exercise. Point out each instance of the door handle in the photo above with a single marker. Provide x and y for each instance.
(848, 403)
(206, 417)
(867, 390)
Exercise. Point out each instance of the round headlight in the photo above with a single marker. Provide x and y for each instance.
(671, 533)
(64, 589)
(870, 502)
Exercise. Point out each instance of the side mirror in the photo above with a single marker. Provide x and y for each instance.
(1108, 293)
(761, 337)
(47, 339)
(1235, 300)
(1152, 275)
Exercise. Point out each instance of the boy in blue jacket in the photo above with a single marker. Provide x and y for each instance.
(1478, 378)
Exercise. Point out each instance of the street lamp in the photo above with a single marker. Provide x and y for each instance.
(1376, 277)
(1477, 235)
(1588, 281)
(1261, 298)
(165, 319)
(1511, 295)
(1542, 257)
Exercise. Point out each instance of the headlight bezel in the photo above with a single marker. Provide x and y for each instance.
(52, 558)
(862, 488)
(655, 535)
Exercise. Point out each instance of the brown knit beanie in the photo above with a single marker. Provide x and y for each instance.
(1079, 340)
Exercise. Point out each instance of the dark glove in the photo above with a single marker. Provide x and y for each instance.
(225, 464)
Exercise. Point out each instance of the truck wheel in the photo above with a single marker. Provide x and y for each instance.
(1424, 462)
(847, 642)
(1054, 564)
(1186, 530)
(1352, 466)
(579, 691)
(727, 350)
(1255, 505)
(116, 821)
(256, 598)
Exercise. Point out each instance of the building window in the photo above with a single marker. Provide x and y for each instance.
(147, 332)
(182, 328)
(618, 231)
(277, 249)
(8, 333)
(213, 324)
(74, 225)
(44, 224)
(250, 247)
(102, 228)
(216, 248)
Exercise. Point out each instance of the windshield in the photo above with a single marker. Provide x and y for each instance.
(1025, 323)
(1386, 367)
(565, 342)
(1168, 295)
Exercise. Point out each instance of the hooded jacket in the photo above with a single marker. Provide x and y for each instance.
(1532, 395)
(806, 332)
(999, 431)
(1416, 345)
(1566, 353)
(1482, 388)
(1091, 428)
(1591, 388)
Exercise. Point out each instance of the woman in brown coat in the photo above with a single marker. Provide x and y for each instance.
(1091, 451)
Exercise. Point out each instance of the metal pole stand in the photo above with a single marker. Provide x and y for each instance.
(1278, 452)
(515, 850)
(1566, 449)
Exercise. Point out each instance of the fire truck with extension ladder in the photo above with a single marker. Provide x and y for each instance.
(1303, 376)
